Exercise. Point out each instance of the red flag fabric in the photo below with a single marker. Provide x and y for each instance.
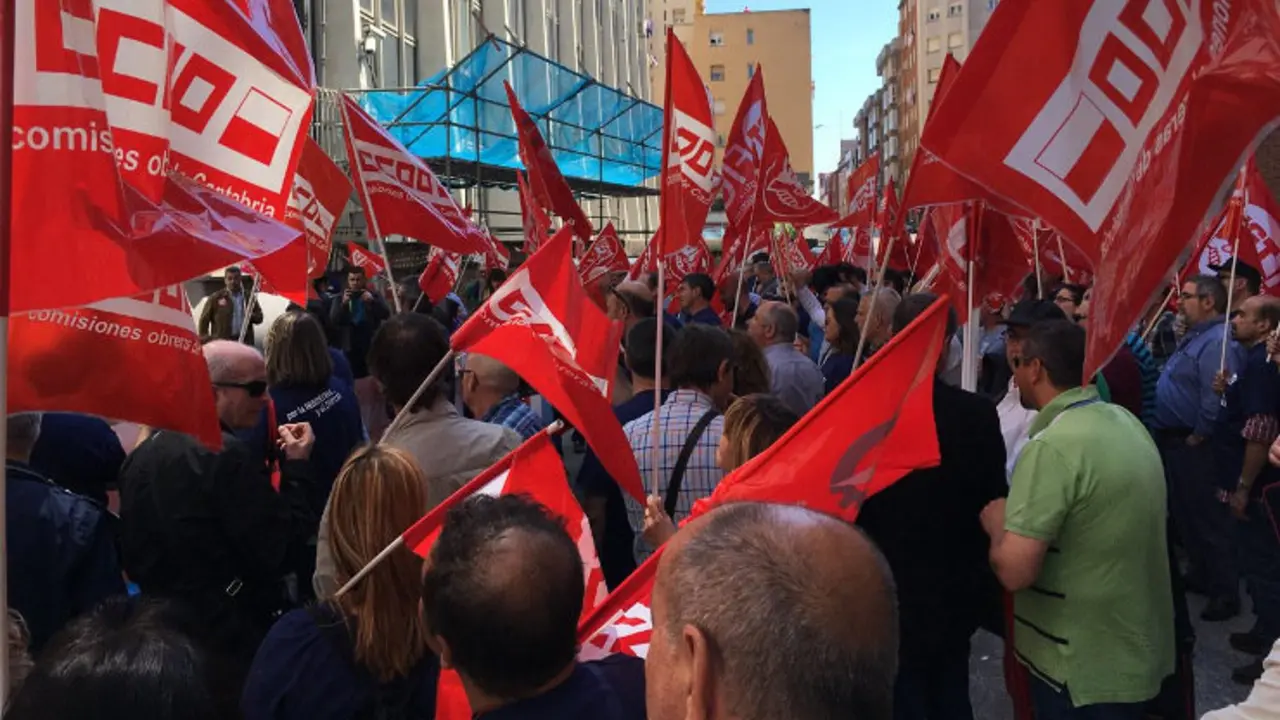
(738, 246)
(605, 256)
(857, 249)
(1262, 223)
(399, 193)
(861, 195)
(622, 624)
(537, 226)
(689, 147)
(320, 194)
(361, 258)
(496, 254)
(868, 433)
(792, 253)
(893, 241)
(542, 325)
(744, 154)
(1058, 258)
(548, 185)
(97, 152)
(694, 258)
(1101, 141)
(440, 275)
(831, 252)
(159, 377)
(782, 197)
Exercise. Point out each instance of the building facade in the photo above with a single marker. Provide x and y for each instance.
(888, 68)
(371, 44)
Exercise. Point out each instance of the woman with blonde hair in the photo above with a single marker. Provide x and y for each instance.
(751, 425)
(365, 653)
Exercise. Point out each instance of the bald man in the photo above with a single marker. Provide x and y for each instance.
(794, 378)
(501, 595)
(206, 527)
(769, 611)
(491, 392)
(630, 301)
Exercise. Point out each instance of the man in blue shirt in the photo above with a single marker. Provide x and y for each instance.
(695, 292)
(491, 392)
(1187, 408)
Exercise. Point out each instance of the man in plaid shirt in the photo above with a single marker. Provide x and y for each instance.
(491, 392)
(699, 366)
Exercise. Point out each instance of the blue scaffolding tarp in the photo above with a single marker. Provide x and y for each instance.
(596, 133)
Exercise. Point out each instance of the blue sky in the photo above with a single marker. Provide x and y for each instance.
(847, 36)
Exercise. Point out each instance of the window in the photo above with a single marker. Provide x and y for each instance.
(955, 10)
(389, 74)
(934, 14)
(955, 40)
(718, 107)
(411, 17)
(751, 70)
(389, 15)
(717, 39)
(677, 16)
(367, 6)
(751, 36)
(933, 74)
(717, 73)
(933, 44)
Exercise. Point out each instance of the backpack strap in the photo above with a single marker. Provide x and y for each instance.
(682, 462)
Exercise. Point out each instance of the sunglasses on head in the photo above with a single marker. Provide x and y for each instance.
(255, 388)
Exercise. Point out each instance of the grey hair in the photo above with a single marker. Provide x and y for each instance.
(783, 319)
(225, 359)
(886, 300)
(492, 373)
(1210, 286)
(23, 430)
(793, 647)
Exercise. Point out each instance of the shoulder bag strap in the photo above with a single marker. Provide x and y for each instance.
(686, 452)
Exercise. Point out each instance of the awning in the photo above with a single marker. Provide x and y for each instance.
(606, 142)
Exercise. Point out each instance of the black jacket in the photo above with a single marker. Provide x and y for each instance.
(355, 338)
(208, 529)
(927, 526)
(61, 553)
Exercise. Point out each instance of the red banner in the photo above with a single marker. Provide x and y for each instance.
(861, 195)
(744, 154)
(548, 185)
(689, 146)
(537, 226)
(605, 256)
(400, 194)
(1104, 139)
(782, 197)
(440, 276)
(371, 262)
(156, 374)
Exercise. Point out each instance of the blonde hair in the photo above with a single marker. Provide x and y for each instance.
(380, 492)
(751, 425)
(297, 353)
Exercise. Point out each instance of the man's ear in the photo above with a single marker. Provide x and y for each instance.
(441, 649)
(695, 651)
(725, 371)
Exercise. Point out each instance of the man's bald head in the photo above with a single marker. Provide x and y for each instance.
(634, 298)
(230, 361)
(239, 377)
(501, 592)
(492, 374)
(796, 609)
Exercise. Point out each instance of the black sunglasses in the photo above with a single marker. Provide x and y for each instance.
(255, 388)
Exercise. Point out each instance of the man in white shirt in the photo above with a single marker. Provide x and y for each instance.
(1015, 417)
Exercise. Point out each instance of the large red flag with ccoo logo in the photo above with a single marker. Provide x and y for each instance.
(158, 376)
(361, 258)
(152, 142)
(546, 182)
(744, 154)
(603, 257)
(440, 275)
(1104, 140)
(541, 324)
(782, 198)
(399, 192)
(861, 195)
(689, 147)
(873, 429)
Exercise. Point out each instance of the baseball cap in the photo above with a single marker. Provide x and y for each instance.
(1029, 312)
(1243, 270)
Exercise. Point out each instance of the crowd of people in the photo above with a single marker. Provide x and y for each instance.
(1068, 515)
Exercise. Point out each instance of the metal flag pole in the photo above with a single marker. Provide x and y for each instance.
(1035, 251)
(1231, 286)
(372, 220)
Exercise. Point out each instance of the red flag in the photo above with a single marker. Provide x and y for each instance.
(782, 197)
(738, 246)
(1102, 141)
(868, 433)
(694, 258)
(792, 253)
(744, 154)
(93, 151)
(361, 258)
(623, 624)
(496, 254)
(605, 256)
(158, 374)
(857, 250)
(541, 324)
(891, 232)
(399, 193)
(831, 252)
(440, 275)
(537, 226)
(861, 195)
(689, 145)
(546, 182)
(1262, 222)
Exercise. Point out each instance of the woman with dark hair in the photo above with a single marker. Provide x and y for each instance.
(842, 335)
(129, 658)
(750, 369)
(303, 389)
(363, 654)
(751, 424)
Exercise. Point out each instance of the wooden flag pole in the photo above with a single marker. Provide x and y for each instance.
(871, 311)
(655, 426)
(372, 220)
(405, 411)
(247, 321)
(1231, 286)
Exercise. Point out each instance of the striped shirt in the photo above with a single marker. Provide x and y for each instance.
(679, 414)
(511, 413)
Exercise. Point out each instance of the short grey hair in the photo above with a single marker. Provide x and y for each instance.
(23, 430)
(226, 359)
(782, 319)
(1211, 286)
(492, 373)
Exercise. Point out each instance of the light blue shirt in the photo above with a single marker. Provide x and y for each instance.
(1184, 394)
(794, 378)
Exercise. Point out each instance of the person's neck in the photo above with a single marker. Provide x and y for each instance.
(482, 402)
(697, 306)
(1042, 395)
(780, 341)
(481, 702)
(642, 384)
(22, 457)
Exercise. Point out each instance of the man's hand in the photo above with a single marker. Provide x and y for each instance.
(1275, 453)
(367, 296)
(1239, 501)
(992, 518)
(296, 440)
(800, 278)
(658, 526)
(1220, 382)
(1273, 346)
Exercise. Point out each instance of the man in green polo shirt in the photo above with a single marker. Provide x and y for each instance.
(1081, 542)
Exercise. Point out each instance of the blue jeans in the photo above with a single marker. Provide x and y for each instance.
(1054, 704)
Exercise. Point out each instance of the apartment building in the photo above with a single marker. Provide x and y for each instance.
(367, 44)
(888, 68)
(680, 16)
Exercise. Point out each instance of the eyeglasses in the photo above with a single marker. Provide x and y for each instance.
(1192, 296)
(255, 388)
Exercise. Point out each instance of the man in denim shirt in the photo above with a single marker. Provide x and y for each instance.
(1187, 410)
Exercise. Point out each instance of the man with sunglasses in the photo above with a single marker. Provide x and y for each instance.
(206, 527)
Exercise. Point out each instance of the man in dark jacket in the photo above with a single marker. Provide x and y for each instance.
(354, 317)
(927, 525)
(206, 527)
(60, 549)
(228, 309)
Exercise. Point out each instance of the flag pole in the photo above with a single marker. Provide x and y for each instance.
(417, 394)
(247, 321)
(657, 382)
(7, 27)
(1062, 258)
(1231, 286)
(372, 220)
(660, 302)
(1035, 252)
(871, 311)
(969, 358)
